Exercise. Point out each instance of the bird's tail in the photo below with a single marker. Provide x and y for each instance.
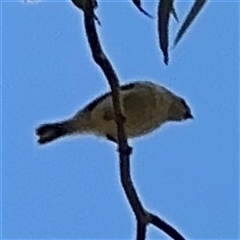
(51, 131)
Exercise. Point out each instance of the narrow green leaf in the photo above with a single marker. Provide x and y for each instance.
(197, 6)
(174, 13)
(164, 11)
(137, 3)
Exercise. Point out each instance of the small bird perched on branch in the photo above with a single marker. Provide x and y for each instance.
(146, 106)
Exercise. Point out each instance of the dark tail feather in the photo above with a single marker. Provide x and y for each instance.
(50, 132)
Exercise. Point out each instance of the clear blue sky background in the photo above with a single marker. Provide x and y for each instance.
(185, 172)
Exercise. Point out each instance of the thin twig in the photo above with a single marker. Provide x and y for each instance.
(141, 230)
(124, 150)
(165, 227)
(143, 218)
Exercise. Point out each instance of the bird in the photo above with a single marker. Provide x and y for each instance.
(146, 106)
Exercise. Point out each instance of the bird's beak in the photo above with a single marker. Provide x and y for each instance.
(188, 115)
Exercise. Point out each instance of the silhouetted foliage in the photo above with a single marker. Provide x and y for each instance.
(165, 8)
(138, 5)
(197, 6)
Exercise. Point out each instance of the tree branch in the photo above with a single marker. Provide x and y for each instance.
(165, 227)
(143, 218)
(124, 150)
(141, 230)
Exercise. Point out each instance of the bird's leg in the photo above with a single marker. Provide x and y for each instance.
(127, 151)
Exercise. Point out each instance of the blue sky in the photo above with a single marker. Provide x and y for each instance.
(185, 172)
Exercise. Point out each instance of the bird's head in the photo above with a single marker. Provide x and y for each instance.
(179, 110)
